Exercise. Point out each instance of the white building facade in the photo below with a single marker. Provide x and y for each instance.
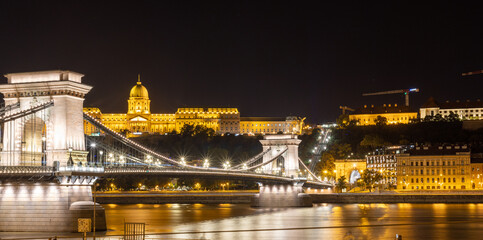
(466, 110)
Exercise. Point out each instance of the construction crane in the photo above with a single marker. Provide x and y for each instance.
(403, 91)
(472, 73)
(344, 108)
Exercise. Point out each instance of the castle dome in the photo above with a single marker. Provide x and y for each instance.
(139, 91)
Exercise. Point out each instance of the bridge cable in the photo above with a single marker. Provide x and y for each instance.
(308, 170)
(252, 160)
(267, 162)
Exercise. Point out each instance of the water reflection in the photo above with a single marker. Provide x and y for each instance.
(327, 221)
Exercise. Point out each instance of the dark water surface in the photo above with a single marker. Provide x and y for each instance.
(323, 221)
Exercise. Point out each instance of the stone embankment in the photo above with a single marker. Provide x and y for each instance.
(182, 198)
(246, 198)
(397, 198)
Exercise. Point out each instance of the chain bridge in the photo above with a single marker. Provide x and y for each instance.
(47, 163)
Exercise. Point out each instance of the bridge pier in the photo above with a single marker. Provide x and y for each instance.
(46, 207)
(282, 195)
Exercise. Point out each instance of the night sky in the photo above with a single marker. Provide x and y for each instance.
(266, 58)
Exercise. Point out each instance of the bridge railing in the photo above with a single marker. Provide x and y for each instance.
(90, 169)
(26, 169)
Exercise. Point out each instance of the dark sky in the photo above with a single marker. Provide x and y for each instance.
(266, 58)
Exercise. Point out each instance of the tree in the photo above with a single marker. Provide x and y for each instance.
(371, 177)
(428, 118)
(381, 121)
(373, 141)
(201, 130)
(340, 151)
(438, 118)
(341, 183)
(452, 117)
(187, 130)
(342, 121)
(326, 163)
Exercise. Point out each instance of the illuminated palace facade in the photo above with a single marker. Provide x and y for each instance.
(139, 120)
(393, 113)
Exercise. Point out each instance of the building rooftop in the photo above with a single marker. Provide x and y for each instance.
(261, 119)
(386, 108)
(432, 103)
(439, 150)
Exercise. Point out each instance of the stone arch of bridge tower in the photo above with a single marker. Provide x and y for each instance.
(33, 143)
(64, 123)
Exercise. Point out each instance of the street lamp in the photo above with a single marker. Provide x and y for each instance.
(206, 163)
(110, 159)
(101, 152)
(70, 162)
(245, 167)
(93, 146)
(226, 165)
(121, 160)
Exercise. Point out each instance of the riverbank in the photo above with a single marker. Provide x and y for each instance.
(235, 197)
(398, 198)
(174, 197)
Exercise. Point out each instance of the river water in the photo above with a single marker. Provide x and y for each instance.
(323, 221)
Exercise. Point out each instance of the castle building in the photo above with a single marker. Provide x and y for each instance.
(466, 110)
(395, 114)
(139, 120)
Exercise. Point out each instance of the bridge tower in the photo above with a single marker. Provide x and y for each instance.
(46, 136)
(289, 159)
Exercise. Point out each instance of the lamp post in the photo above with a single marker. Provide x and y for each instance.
(93, 146)
(44, 159)
(206, 163)
(111, 159)
(102, 160)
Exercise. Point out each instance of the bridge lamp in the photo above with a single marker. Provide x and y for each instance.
(206, 164)
(245, 167)
(226, 165)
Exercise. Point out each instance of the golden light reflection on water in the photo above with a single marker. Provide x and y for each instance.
(326, 221)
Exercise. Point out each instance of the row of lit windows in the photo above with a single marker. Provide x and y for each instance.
(434, 187)
(435, 172)
(229, 123)
(393, 119)
(433, 162)
(470, 110)
(262, 130)
(268, 125)
(434, 180)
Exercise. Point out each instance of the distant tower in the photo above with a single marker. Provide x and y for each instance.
(139, 110)
(139, 103)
